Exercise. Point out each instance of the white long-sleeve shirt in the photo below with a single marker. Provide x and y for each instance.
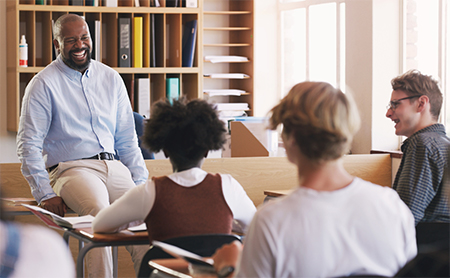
(136, 204)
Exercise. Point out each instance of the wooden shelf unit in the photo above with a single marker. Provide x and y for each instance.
(228, 30)
(24, 17)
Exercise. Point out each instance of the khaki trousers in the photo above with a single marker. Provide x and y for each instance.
(87, 186)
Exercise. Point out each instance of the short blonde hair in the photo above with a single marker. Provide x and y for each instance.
(322, 119)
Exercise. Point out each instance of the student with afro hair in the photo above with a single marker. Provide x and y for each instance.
(190, 201)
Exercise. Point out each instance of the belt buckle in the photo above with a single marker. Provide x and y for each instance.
(99, 157)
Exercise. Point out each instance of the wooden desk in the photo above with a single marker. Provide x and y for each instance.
(277, 193)
(272, 194)
(13, 207)
(94, 240)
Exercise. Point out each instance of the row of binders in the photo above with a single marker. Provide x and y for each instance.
(137, 3)
(131, 47)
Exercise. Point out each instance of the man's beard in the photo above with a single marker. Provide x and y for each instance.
(75, 66)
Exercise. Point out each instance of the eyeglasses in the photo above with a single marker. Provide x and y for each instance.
(393, 104)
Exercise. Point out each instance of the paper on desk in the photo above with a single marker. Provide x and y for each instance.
(227, 75)
(69, 222)
(139, 228)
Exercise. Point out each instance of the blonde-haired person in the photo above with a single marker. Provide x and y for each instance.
(333, 224)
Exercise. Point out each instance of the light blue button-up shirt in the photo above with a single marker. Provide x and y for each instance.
(67, 116)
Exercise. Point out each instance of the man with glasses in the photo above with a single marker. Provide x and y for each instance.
(415, 105)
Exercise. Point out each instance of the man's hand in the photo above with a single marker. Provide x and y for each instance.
(227, 255)
(55, 205)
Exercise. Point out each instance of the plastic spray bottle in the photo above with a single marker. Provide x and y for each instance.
(23, 52)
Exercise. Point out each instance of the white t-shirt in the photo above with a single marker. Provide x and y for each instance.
(134, 206)
(42, 253)
(361, 229)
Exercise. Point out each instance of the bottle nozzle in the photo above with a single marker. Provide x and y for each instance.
(23, 40)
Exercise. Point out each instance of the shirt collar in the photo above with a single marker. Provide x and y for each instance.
(438, 128)
(189, 177)
(71, 73)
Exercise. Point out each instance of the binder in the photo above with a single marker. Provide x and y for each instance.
(142, 96)
(137, 42)
(188, 43)
(152, 41)
(171, 3)
(98, 35)
(172, 88)
(124, 42)
(75, 2)
(91, 25)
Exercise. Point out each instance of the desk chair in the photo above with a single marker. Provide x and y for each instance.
(139, 125)
(428, 233)
(203, 245)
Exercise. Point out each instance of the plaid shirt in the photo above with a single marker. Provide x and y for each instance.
(420, 177)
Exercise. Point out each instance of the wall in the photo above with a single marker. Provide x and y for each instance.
(372, 60)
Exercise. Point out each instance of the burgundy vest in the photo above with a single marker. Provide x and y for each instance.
(182, 211)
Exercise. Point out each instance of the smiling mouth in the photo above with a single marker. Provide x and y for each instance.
(79, 55)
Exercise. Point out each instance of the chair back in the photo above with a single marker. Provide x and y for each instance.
(139, 126)
(429, 233)
(203, 245)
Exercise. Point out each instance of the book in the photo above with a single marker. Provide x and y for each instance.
(93, 3)
(188, 43)
(172, 88)
(55, 52)
(137, 42)
(142, 97)
(110, 3)
(191, 4)
(124, 42)
(58, 222)
(188, 256)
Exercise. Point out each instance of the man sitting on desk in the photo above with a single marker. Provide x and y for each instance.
(75, 115)
(414, 108)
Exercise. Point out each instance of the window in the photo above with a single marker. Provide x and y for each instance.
(312, 42)
(427, 44)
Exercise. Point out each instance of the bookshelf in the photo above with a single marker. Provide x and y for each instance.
(228, 31)
(25, 17)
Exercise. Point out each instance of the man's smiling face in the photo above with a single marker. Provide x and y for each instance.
(75, 45)
(403, 113)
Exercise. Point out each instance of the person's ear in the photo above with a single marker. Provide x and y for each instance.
(56, 44)
(423, 101)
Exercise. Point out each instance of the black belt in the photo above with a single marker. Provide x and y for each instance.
(102, 156)
(99, 156)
